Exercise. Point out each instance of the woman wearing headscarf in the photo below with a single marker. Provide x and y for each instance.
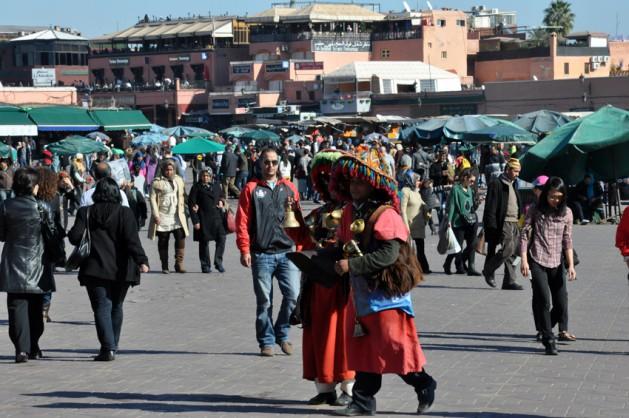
(22, 267)
(622, 236)
(115, 261)
(415, 214)
(461, 212)
(206, 204)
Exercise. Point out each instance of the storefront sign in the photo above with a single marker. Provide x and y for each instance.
(116, 100)
(44, 77)
(341, 45)
(241, 69)
(220, 104)
(276, 67)
(118, 61)
(310, 65)
(181, 58)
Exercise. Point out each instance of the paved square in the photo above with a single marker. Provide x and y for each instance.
(188, 349)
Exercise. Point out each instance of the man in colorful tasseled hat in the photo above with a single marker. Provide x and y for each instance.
(381, 334)
(324, 304)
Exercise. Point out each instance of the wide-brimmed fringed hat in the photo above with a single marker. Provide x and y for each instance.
(321, 171)
(366, 164)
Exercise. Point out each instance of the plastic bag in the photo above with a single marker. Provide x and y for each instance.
(453, 245)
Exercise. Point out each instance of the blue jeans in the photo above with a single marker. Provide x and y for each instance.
(264, 267)
(106, 298)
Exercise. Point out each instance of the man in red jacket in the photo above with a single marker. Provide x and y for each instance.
(263, 244)
(622, 236)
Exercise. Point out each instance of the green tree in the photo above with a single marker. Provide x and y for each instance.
(559, 14)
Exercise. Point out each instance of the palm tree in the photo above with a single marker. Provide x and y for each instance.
(559, 14)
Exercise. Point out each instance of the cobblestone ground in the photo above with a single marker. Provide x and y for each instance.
(188, 349)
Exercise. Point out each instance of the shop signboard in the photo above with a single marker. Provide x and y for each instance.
(241, 69)
(180, 58)
(276, 67)
(341, 45)
(118, 61)
(309, 65)
(44, 77)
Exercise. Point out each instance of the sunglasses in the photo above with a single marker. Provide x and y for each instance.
(270, 162)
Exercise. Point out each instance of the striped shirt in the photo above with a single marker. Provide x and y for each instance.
(551, 235)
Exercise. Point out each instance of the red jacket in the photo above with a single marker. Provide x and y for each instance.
(622, 234)
(260, 216)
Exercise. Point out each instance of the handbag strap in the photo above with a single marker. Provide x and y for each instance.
(87, 225)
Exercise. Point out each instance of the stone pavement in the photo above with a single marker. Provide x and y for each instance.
(188, 349)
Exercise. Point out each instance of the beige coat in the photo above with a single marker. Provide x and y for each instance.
(156, 187)
(414, 212)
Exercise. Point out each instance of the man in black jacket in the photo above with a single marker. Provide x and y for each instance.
(229, 168)
(500, 220)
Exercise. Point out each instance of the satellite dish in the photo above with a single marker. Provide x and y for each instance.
(407, 8)
(429, 5)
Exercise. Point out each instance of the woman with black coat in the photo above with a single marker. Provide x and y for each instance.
(22, 268)
(115, 261)
(206, 204)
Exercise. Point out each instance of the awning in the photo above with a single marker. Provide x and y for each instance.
(15, 122)
(119, 120)
(62, 118)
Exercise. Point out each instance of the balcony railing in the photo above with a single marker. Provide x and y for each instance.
(308, 36)
(397, 35)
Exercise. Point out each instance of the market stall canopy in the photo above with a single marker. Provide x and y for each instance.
(198, 146)
(503, 132)
(180, 131)
(457, 127)
(295, 138)
(374, 136)
(76, 144)
(235, 131)
(425, 133)
(261, 136)
(149, 139)
(14, 121)
(541, 121)
(596, 144)
(5, 150)
(120, 120)
(101, 136)
(62, 118)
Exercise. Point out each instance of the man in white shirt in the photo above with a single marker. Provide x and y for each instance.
(101, 171)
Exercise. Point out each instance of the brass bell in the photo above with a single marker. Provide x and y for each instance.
(332, 220)
(290, 221)
(358, 226)
(351, 249)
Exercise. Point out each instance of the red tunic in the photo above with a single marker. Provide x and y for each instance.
(391, 344)
(324, 341)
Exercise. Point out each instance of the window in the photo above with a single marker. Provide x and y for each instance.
(385, 53)
(441, 23)
(429, 44)
(586, 68)
(298, 95)
(460, 22)
(444, 54)
(566, 68)
(311, 96)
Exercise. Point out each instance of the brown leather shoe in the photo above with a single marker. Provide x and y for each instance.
(267, 351)
(179, 253)
(287, 348)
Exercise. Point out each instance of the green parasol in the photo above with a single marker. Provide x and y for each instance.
(597, 144)
(198, 146)
(76, 144)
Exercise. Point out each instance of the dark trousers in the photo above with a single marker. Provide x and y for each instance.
(464, 235)
(421, 254)
(204, 252)
(26, 321)
(107, 298)
(163, 238)
(549, 287)
(368, 384)
(506, 255)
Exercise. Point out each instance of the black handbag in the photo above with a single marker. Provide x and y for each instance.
(53, 241)
(470, 218)
(81, 251)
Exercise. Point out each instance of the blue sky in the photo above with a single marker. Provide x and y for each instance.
(94, 18)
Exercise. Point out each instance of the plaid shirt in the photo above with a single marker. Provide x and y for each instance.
(551, 235)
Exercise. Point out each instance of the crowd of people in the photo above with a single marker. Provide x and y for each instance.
(345, 270)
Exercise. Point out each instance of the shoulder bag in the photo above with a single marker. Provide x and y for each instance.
(81, 251)
(53, 242)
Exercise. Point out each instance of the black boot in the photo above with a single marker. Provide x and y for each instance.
(471, 259)
(551, 347)
(105, 355)
(426, 397)
(447, 265)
